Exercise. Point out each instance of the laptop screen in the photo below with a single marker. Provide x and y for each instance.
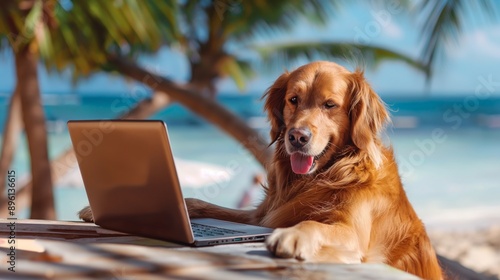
(130, 177)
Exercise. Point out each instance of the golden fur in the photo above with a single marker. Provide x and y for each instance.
(350, 207)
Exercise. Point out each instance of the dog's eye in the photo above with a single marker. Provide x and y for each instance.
(294, 100)
(330, 104)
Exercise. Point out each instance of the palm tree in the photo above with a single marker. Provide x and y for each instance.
(23, 22)
(29, 27)
(11, 133)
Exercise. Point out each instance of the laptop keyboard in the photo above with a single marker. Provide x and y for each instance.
(207, 231)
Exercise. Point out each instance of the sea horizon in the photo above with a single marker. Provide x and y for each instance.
(407, 111)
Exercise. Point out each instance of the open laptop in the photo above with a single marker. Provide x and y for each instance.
(131, 182)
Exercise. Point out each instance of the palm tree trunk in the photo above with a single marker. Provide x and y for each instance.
(42, 197)
(13, 128)
(148, 107)
(67, 160)
(204, 106)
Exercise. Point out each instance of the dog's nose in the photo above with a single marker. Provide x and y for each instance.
(299, 137)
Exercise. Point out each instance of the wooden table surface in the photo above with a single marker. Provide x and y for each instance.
(57, 249)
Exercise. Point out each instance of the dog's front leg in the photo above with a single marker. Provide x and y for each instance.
(202, 209)
(314, 241)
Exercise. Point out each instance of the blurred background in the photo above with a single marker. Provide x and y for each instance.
(435, 64)
(202, 66)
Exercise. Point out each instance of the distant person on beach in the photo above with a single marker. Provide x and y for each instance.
(253, 194)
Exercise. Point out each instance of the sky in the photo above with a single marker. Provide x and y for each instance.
(474, 58)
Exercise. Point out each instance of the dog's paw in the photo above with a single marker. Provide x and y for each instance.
(86, 214)
(195, 207)
(292, 243)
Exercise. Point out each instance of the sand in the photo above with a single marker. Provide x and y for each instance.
(477, 248)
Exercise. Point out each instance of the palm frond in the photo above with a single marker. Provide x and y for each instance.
(91, 30)
(371, 55)
(247, 19)
(443, 22)
(238, 70)
(13, 24)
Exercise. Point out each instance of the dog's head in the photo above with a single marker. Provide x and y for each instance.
(318, 109)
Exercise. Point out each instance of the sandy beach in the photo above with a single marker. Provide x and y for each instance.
(475, 246)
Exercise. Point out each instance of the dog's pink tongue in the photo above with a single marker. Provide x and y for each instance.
(301, 164)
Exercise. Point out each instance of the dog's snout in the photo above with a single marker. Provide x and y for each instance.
(299, 137)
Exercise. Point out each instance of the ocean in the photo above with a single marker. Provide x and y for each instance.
(447, 148)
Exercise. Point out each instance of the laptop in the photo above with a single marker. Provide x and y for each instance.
(131, 182)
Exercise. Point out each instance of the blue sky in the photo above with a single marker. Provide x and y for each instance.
(476, 54)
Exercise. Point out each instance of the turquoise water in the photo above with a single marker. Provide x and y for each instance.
(446, 165)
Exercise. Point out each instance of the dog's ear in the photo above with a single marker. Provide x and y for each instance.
(275, 103)
(368, 116)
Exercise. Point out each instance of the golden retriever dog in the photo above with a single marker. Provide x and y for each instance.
(334, 193)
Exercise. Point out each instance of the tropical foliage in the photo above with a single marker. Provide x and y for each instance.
(443, 22)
